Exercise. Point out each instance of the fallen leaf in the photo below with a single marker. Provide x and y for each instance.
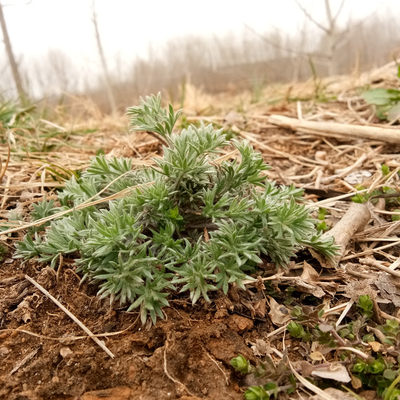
(375, 346)
(317, 356)
(325, 327)
(387, 289)
(357, 177)
(260, 308)
(279, 314)
(309, 274)
(261, 348)
(356, 382)
(335, 371)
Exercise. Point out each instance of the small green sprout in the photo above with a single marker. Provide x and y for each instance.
(385, 170)
(366, 305)
(322, 225)
(241, 364)
(297, 331)
(261, 392)
(297, 312)
(396, 217)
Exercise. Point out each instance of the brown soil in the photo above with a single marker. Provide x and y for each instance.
(185, 356)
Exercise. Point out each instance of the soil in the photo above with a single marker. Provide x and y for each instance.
(185, 356)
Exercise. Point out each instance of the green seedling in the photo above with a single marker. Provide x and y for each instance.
(387, 102)
(264, 392)
(241, 364)
(297, 331)
(322, 225)
(366, 305)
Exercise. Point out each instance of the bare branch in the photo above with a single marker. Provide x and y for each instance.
(284, 48)
(310, 17)
(339, 10)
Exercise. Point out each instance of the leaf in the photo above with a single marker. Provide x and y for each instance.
(279, 314)
(334, 371)
(381, 96)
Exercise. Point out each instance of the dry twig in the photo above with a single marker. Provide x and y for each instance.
(72, 316)
(334, 129)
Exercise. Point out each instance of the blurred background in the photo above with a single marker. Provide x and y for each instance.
(112, 52)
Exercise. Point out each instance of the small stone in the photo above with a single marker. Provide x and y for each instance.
(240, 324)
(65, 352)
(4, 351)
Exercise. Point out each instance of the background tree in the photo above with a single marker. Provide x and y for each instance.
(11, 58)
(106, 74)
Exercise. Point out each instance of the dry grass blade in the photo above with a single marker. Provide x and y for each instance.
(376, 264)
(370, 251)
(309, 385)
(72, 316)
(4, 170)
(26, 359)
(81, 206)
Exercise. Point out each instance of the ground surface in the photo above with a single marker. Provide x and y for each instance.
(45, 355)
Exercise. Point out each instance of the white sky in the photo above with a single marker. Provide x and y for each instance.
(129, 27)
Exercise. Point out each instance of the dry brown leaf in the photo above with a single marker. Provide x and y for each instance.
(375, 346)
(261, 348)
(356, 382)
(388, 289)
(334, 371)
(279, 314)
(309, 274)
(260, 308)
(317, 356)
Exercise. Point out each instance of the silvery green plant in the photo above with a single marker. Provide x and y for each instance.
(150, 244)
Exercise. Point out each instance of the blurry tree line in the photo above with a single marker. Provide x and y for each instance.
(216, 64)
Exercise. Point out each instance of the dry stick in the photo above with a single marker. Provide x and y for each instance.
(68, 338)
(337, 198)
(26, 359)
(352, 221)
(72, 316)
(29, 185)
(395, 264)
(370, 251)
(355, 351)
(376, 264)
(323, 395)
(344, 313)
(349, 131)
